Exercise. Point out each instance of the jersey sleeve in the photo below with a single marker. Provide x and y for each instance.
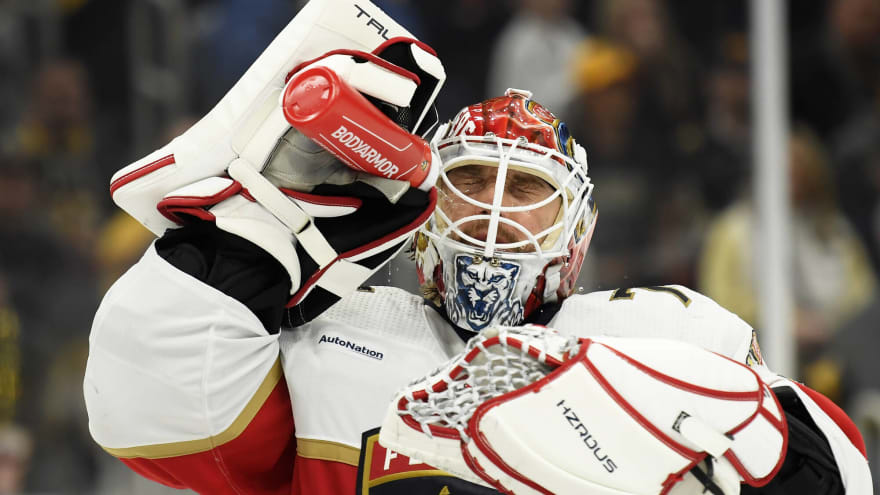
(184, 385)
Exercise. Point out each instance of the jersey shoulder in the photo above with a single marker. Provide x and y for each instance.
(390, 311)
(342, 367)
(386, 317)
(667, 311)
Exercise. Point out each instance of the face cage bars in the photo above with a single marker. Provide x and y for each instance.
(565, 224)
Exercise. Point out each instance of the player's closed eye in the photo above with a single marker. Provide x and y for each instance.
(469, 175)
(521, 186)
(470, 185)
(529, 188)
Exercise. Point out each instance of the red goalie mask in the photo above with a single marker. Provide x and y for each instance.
(514, 216)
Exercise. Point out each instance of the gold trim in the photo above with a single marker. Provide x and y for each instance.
(408, 474)
(173, 449)
(325, 450)
(681, 296)
(617, 295)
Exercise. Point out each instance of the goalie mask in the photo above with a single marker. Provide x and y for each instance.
(514, 215)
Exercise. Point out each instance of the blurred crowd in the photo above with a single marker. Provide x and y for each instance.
(657, 91)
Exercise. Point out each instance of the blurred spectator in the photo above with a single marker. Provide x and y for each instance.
(640, 103)
(836, 88)
(52, 289)
(667, 77)
(10, 357)
(15, 455)
(57, 121)
(49, 281)
(649, 214)
(607, 108)
(856, 151)
(463, 32)
(51, 206)
(837, 74)
(12, 63)
(722, 162)
(56, 138)
(47, 240)
(534, 52)
(832, 278)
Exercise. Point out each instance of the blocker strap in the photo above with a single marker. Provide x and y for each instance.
(702, 435)
(343, 277)
(285, 210)
(340, 276)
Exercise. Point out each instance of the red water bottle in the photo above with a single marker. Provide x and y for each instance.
(318, 103)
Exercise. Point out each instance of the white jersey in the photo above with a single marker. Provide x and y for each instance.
(167, 346)
(390, 336)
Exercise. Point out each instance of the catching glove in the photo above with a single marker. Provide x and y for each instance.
(528, 411)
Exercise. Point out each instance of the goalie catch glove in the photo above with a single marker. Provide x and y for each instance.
(247, 167)
(527, 411)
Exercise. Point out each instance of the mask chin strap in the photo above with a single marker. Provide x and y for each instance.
(495, 215)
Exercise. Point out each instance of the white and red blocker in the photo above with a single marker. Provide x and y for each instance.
(321, 105)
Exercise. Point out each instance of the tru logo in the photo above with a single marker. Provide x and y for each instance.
(372, 22)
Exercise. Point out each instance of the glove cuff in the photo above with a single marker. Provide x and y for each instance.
(328, 244)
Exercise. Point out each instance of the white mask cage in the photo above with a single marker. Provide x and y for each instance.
(567, 176)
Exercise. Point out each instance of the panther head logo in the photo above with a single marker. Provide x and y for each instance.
(483, 293)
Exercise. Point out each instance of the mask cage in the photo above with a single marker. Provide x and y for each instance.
(562, 172)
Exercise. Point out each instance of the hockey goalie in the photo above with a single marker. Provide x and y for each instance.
(242, 354)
